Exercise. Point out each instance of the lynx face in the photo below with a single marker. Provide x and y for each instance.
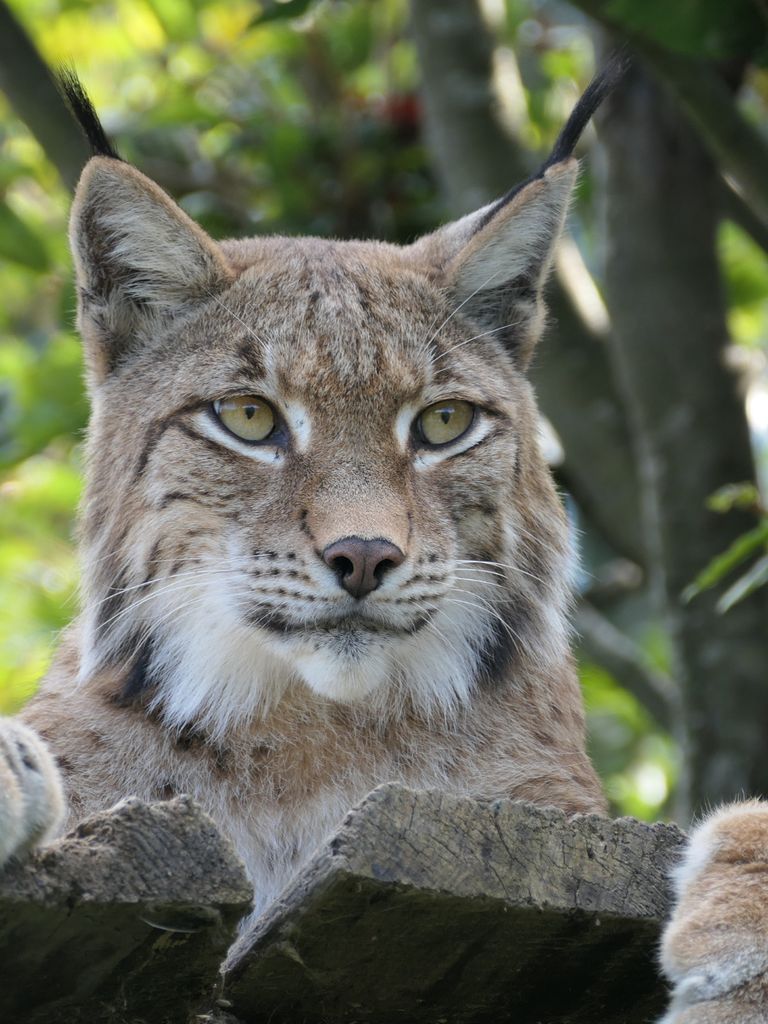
(315, 463)
(256, 545)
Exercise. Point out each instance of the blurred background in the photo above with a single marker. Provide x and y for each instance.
(360, 119)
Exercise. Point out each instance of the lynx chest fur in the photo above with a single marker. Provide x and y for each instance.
(321, 548)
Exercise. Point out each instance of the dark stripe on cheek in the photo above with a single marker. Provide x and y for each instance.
(153, 436)
(495, 658)
(218, 449)
(138, 680)
(502, 650)
(151, 567)
(112, 603)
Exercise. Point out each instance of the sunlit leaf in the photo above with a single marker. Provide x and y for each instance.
(281, 11)
(41, 397)
(637, 761)
(38, 576)
(745, 266)
(755, 577)
(178, 17)
(741, 549)
(744, 496)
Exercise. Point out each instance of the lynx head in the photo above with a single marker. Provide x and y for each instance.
(315, 463)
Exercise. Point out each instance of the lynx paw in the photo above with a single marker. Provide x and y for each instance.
(31, 794)
(715, 948)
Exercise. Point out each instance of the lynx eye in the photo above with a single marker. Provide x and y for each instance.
(444, 422)
(246, 416)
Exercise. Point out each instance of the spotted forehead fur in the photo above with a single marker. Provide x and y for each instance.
(334, 317)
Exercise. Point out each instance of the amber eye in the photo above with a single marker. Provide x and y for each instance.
(247, 416)
(445, 421)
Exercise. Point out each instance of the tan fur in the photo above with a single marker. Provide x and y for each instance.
(715, 948)
(217, 654)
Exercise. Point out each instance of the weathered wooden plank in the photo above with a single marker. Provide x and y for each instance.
(430, 908)
(125, 920)
(421, 907)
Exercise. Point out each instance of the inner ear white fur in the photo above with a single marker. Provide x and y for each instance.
(518, 240)
(158, 253)
(494, 262)
(139, 259)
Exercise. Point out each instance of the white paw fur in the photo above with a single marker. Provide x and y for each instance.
(31, 793)
(715, 947)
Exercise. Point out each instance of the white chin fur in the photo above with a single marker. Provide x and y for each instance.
(348, 679)
(209, 667)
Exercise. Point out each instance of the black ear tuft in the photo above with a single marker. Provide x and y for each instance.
(604, 82)
(77, 100)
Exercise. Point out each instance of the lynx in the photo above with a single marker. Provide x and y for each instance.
(321, 547)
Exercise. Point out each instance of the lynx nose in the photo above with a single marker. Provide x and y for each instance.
(360, 564)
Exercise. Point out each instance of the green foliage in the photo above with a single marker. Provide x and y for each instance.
(735, 555)
(41, 396)
(19, 242)
(744, 496)
(745, 270)
(702, 28)
(754, 578)
(282, 10)
(638, 763)
(37, 566)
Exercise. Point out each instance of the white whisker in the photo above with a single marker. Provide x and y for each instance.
(431, 624)
(239, 319)
(475, 568)
(187, 585)
(501, 565)
(476, 337)
(514, 637)
(450, 317)
(482, 583)
(193, 573)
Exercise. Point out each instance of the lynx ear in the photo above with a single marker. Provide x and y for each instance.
(502, 256)
(140, 261)
(495, 262)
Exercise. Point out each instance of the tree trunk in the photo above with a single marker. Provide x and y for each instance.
(690, 429)
(29, 86)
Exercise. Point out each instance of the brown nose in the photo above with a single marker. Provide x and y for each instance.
(360, 564)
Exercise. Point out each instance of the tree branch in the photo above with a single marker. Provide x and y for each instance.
(27, 82)
(737, 147)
